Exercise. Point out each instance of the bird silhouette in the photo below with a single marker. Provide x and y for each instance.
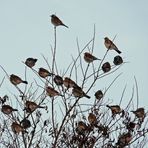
(17, 128)
(44, 73)
(69, 83)
(32, 106)
(89, 58)
(99, 94)
(92, 119)
(15, 80)
(25, 123)
(78, 92)
(52, 92)
(110, 45)
(115, 109)
(139, 112)
(81, 127)
(56, 21)
(30, 62)
(7, 109)
(58, 80)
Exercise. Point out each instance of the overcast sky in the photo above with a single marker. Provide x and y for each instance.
(26, 31)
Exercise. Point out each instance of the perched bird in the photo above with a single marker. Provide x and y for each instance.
(99, 94)
(30, 62)
(25, 123)
(7, 109)
(17, 128)
(110, 45)
(32, 106)
(56, 21)
(106, 67)
(92, 119)
(124, 139)
(89, 57)
(115, 109)
(81, 127)
(78, 92)
(130, 126)
(139, 113)
(118, 60)
(58, 80)
(15, 80)
(52, 92)
(44, 73)
(69, 83)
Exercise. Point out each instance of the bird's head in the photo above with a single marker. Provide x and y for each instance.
(52, 15)
(106, 38)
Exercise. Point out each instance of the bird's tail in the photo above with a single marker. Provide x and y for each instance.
(25, 82)
(108, 106)
(41, 106)
(15, 110)
(86, 96)
(117, 50)
(65, 25)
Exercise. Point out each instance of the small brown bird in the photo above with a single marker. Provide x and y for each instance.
(44, 73)
(30, 62)
(106, 67)
(15, 80)
(118, 60)
(130, 126)
(99, 94)
(32, 106)
(78, 92)
(69, 83)
(25, 123)
(115, 109)
(7, 109)
(92, 119)
(17, 128)
(56, 21)
(124, 139)
(52, 92)
(89, 58)
(58, 80)
(81, 127)
(139, 113)
(110, 45)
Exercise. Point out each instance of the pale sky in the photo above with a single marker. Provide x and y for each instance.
(26, 31)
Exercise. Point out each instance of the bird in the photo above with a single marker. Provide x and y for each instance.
(89, 58)
(44, 73)
(17, 128)
(69, 83)
(25, 123)
(124, 139)
(115, 109)
(32, 106)
(99, 94)
(106, 67)
(118, 60)
(56, 21)
(52, 92)
(110, 45)
(30, 62)
(7, 109)
(58, 80)
(78, 92)
(92, 119)
(15, 80)
(139, 113)
(81, 127)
